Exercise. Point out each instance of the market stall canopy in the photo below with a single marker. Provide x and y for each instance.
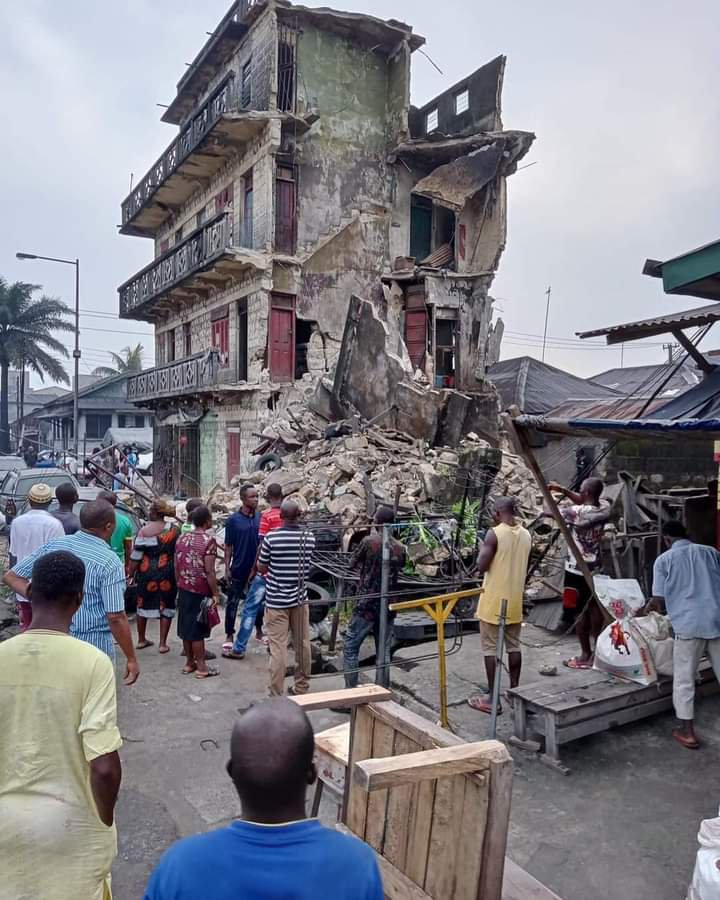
(644, 328)
(696, 273)
(672, 429)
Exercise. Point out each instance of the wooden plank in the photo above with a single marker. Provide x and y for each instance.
(369, 693)
(520, 885)
(378, 773)
(361, 742)
(335, 742)
(424, 732)
(400, 803)
(382, 746)
(444, 837)
(419, 822)
(396, 885)
(470, 859)
(496, 830)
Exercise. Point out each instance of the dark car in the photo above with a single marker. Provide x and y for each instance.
(15, 486)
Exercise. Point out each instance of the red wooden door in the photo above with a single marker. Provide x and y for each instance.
(282, 339)
(416, 328)
(233, 452)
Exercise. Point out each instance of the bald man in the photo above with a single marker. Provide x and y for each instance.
(273, 852)
(285, 557)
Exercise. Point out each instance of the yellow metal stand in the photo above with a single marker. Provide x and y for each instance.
(439, 609)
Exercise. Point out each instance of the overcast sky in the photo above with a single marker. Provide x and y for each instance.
(621, 95)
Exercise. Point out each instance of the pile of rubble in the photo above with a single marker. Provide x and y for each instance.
(344, 471)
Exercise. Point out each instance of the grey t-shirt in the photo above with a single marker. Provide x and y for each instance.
(69, 521)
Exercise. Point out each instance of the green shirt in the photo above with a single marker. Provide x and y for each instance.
(123, 531)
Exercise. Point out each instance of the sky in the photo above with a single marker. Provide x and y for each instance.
(621, 96)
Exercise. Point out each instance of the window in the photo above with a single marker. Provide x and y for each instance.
(164, 246)
(220, 331)
(421, 227)
(247, 224)
(160, 345)
(285, 210)
(233, 452)
(187, 339)
(126, 420)
(287, 76)
(462, 102)
(246, 85)
(200, 218)
(224, 199)
(431, 121)
(242, 339)
(179, 235)
(96, 425)
(282, 338)
(170, 345)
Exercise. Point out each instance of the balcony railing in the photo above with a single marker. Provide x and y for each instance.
(222, 100)
(194, 254)
(180, 377)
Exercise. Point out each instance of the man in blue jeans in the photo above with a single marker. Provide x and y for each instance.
(273, 852)
(241, 544)
(366, 615)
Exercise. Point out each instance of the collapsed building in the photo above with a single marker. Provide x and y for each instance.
(317, 240)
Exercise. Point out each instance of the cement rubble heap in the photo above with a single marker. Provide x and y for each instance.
(346, 470)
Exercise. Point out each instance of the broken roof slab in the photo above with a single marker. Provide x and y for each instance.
(696, 273)
(453, 184)
(441, 150)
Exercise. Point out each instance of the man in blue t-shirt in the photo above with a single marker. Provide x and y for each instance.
(241, 544)
(273, 852)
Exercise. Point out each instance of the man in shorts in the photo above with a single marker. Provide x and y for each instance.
(503, 560)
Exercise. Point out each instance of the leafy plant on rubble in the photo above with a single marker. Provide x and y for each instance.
(467, 520)
(413, 533)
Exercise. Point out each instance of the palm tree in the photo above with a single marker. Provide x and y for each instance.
(130, 359)
(26, 327)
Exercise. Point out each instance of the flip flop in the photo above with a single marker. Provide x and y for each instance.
(211, 673)
(188, 671)
(144, 645)
(164, 650)
(482, 706)
(687, 742)
(231, 654)
(576, 663)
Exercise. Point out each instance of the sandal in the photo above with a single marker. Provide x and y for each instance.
(480, 705)
(164, 650)
(231, 654)
(211, 673)
(577, 663)
(144, 645)
(685, 740)
(188, 670)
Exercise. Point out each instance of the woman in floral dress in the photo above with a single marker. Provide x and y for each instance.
(152, 567)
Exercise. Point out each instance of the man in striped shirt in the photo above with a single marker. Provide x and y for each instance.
(284, 558)
(102, 613)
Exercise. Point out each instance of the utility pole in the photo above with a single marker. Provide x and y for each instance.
(622, 356)
(547, 313)
(670, 348)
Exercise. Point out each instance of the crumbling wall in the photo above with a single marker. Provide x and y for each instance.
(484, 222)
(342, 159)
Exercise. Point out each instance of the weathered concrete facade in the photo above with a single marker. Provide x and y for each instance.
(289, 189)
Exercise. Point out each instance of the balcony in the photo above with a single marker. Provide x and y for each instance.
(185, 376)
(204, 261)
(217, 130)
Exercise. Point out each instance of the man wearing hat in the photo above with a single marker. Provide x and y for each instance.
(29, 531)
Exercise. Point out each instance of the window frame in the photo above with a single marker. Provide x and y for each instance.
(434, 115)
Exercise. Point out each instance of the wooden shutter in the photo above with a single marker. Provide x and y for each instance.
(221, 340)
(233, 452)
(285, 210)
(416, 326)
(282, 338)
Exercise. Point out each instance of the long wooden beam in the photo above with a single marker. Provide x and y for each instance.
(692, 351)
(368, 693)
(423, 765)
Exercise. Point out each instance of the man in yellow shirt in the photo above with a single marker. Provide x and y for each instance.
(59, 767)
(503, 559)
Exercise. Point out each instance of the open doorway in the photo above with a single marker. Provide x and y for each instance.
(445, 351)
(303, 333)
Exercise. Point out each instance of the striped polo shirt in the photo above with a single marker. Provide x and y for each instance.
(104, 585)
(287, 553)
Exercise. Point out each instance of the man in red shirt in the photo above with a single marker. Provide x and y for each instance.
(252, 612)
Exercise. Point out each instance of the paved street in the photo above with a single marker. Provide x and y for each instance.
(622, 825)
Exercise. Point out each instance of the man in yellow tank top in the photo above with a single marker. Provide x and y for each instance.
(503, 559)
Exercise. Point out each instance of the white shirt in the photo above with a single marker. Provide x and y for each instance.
(31, 530)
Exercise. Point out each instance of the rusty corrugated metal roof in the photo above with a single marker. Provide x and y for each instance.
(632, 331)
(623, 408)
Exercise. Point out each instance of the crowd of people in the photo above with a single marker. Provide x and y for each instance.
(73, 575)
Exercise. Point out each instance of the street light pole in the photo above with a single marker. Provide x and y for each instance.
(76, 352)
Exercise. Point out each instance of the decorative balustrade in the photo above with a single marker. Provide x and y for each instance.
(180, 377)
(180, 262)
(223, 100)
